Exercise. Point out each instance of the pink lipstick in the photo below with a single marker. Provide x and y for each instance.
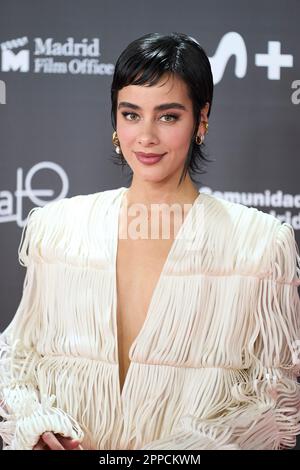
(149, 158)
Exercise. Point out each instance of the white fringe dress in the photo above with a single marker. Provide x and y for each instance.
(215, 364)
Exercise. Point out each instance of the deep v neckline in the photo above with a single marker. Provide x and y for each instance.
(119, 203)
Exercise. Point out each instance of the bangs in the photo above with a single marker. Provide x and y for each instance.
(147, 71)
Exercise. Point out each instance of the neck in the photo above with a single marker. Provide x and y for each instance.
(148, 192)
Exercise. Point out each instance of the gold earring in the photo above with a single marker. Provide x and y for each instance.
(115, 141)
(206, 126)
(199, 139)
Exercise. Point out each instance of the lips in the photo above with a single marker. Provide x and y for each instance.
(149, 158)
(149, 155)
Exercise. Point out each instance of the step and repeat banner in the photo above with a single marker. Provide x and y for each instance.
(56, 64)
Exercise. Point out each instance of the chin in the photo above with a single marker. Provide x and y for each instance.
(151, 180)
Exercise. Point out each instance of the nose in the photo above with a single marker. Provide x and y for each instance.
(147, 135)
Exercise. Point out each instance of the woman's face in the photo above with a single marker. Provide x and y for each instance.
(155, 119)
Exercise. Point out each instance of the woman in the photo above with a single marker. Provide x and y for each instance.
(125, 340)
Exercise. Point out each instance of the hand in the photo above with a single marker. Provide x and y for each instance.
(51, 441)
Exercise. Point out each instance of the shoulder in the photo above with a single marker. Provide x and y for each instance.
(64, 223)
(75, 206)
(69, 212)
(244, 238)
(238, 218)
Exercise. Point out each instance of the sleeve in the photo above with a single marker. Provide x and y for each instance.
(264, 413)
(24, 414)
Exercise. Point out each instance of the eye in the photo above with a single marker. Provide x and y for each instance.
(126, 114)
(170, 117)
(131, 116)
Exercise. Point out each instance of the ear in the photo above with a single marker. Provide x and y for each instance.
(203, 119)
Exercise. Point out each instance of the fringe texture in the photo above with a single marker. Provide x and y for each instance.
(215, 364)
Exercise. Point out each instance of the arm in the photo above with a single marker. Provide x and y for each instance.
(265, 409)
(25, 414)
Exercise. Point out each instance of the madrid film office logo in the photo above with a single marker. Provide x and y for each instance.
(46, 55)
(13, 61)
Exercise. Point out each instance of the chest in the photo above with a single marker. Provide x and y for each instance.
(138, 269)
(139, 265)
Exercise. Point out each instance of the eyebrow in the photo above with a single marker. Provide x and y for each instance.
(160, 107)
